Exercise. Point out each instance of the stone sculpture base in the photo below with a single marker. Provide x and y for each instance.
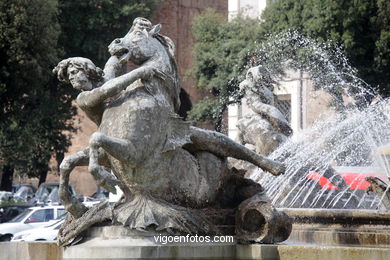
(94, 251)
(332, 227)
(50, 251)
(117, 242)
(110, 243)
(316, 234)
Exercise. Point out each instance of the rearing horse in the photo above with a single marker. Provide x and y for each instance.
(143, 139)
(132, 123)
(140, 130)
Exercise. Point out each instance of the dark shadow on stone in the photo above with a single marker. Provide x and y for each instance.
(185, 103)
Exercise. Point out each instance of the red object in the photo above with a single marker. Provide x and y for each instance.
(355, 181)
(323, 181)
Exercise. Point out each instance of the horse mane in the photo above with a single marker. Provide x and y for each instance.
(169, 47)
(144, 24)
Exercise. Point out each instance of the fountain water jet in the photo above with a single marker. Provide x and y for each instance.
(343, 143)
(348, 138)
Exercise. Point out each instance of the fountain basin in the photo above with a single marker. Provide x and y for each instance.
(363, 228)
(316, 234)
(50, 251)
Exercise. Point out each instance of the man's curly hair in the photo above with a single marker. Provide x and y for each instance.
(93, 73)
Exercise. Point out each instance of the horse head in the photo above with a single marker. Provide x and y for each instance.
(142, 44)
(138, 46)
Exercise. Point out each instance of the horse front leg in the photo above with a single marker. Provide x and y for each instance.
(120, 149)
(71, 203)
(81, 158)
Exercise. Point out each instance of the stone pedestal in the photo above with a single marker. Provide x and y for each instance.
(133, 249)
(122, 250)
(317, 234)
(117, 242)
(30, 251)
(128, 249)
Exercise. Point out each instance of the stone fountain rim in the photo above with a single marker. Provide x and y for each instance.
(352, 216)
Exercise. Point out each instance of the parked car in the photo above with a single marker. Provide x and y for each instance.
(48, 192)
(355, 178)
(47, 233)
(96, 198)
(33, 217)
(16, 187)
(25, 192)
(101, 194)
(9, 212)
(5, 196)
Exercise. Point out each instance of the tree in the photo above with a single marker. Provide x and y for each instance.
(35, 112)
(89, 26)
(221, 51)
(362, 27)
(35, 35)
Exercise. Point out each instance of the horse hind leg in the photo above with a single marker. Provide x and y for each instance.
(221, 145)
(120, 149)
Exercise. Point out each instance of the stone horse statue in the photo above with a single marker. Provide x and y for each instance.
(165, 168)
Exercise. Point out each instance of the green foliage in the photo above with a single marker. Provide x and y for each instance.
(35, 119)
(89, 26)
(204, 110)
(361, 26)
(221, 51)
(11, 202)
(35, 112)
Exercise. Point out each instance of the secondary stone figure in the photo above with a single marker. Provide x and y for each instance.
(264, 127)
(161, 163)
(380, 189)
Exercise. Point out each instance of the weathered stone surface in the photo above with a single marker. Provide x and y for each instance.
(381, 189)
(264, 126)
(308, 252)
(338, 227)
(154, 157)
(257, 220)
(125, 249)
(176, 19)
(30, 251)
